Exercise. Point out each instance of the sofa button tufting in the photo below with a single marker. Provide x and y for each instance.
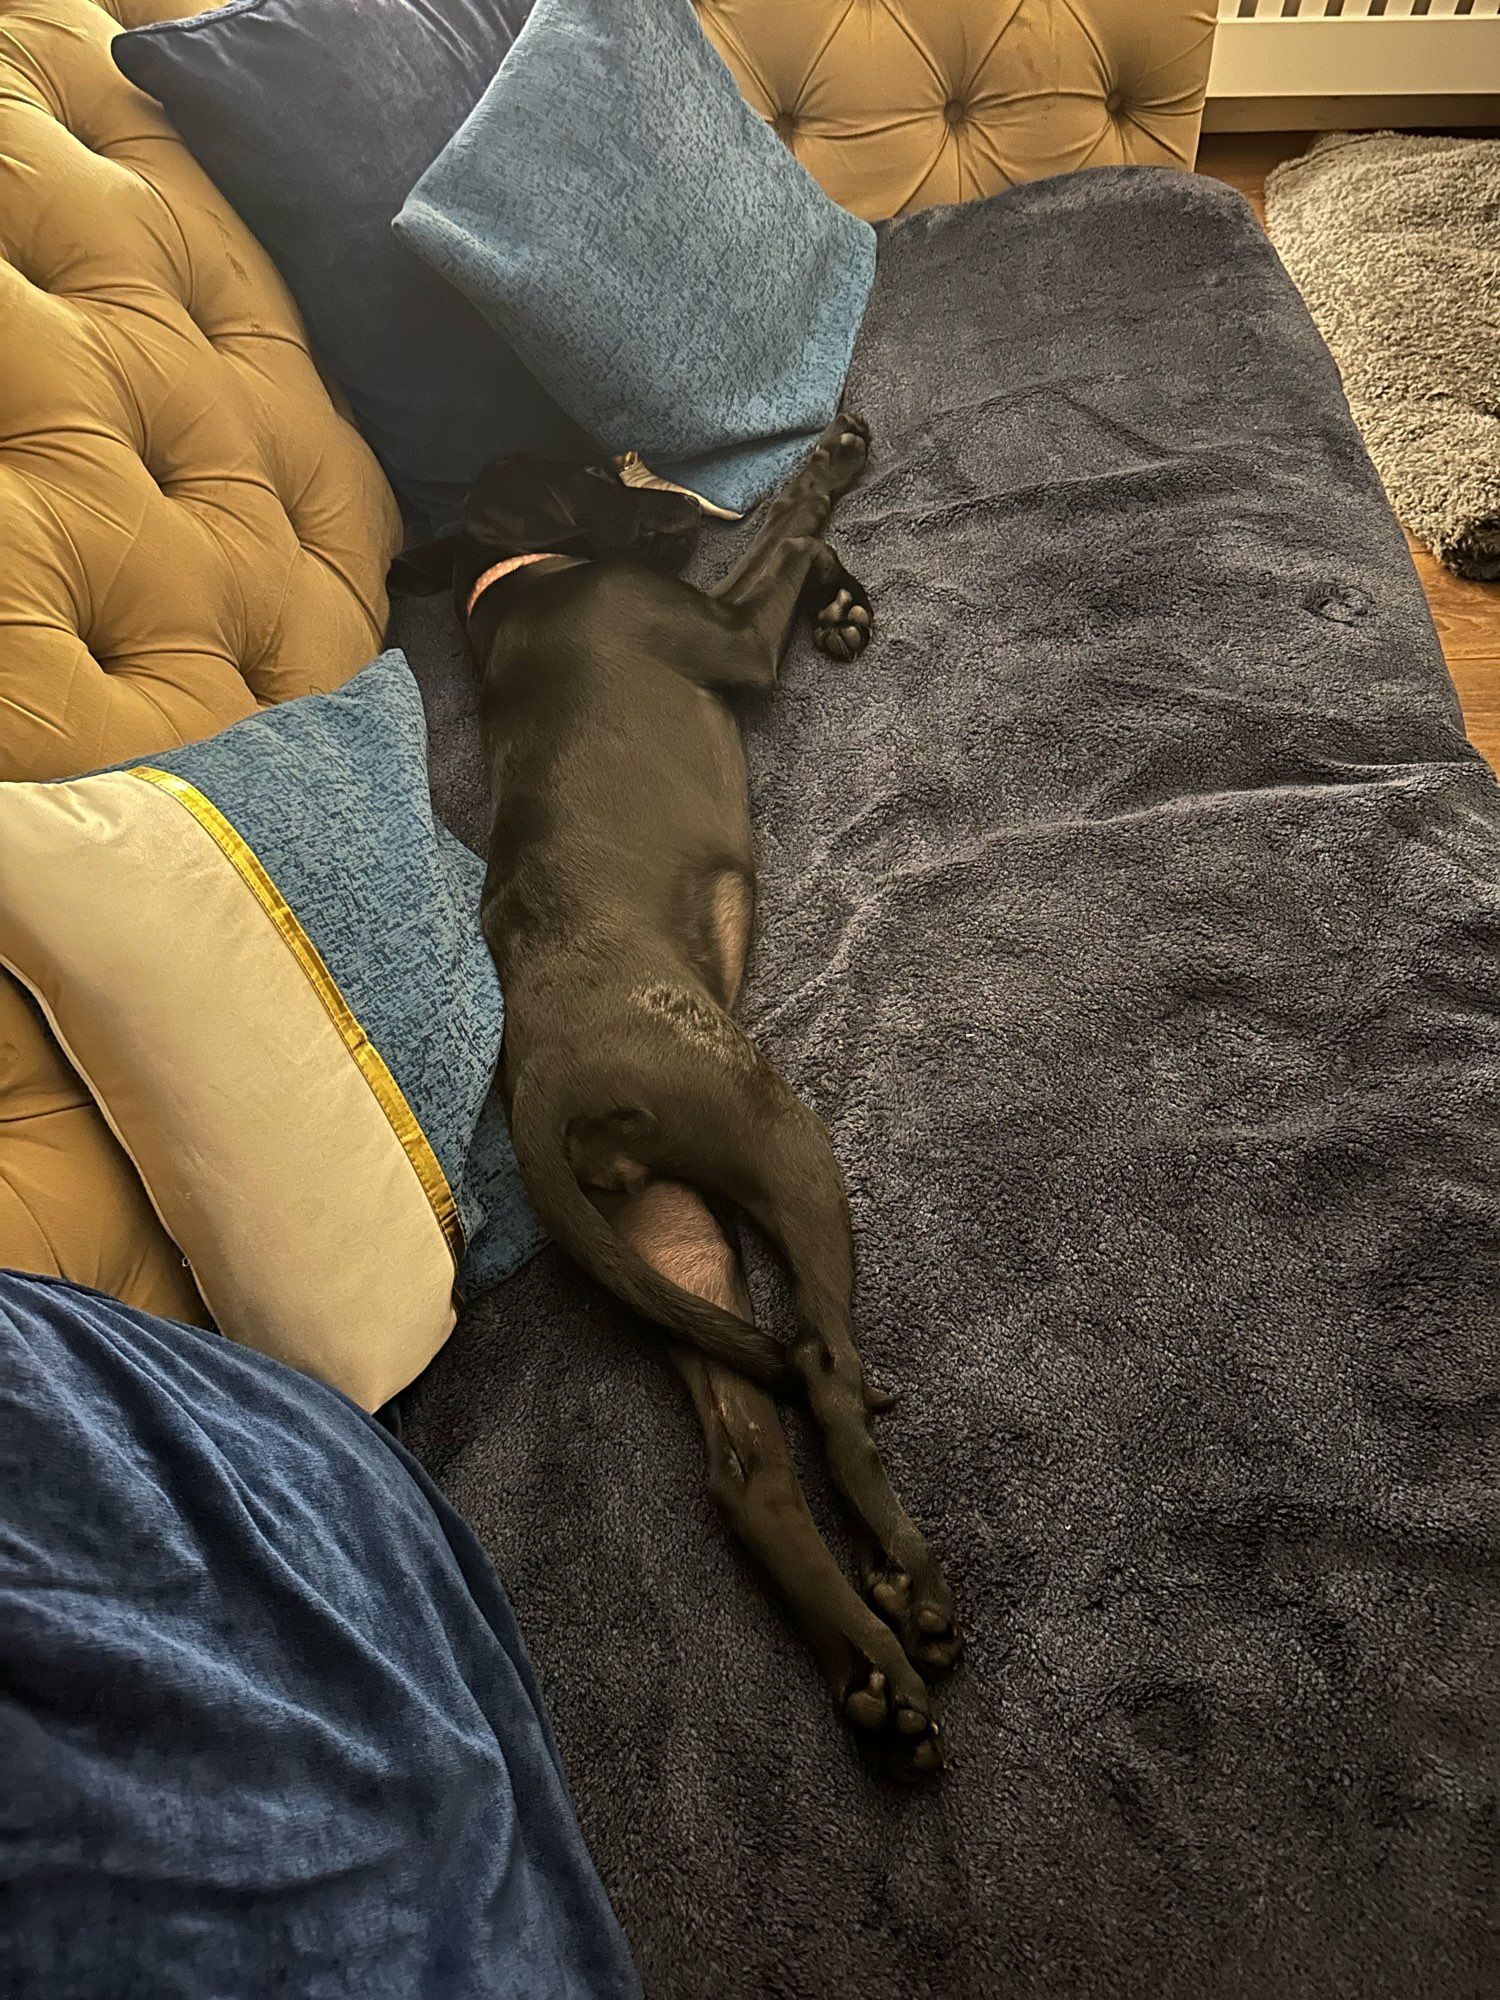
(784, 125)
(954, 111)
(1115, 102)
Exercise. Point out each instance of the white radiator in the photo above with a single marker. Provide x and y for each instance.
(1312, 63)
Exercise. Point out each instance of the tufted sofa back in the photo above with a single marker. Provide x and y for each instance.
(188, 527)
(897, 104)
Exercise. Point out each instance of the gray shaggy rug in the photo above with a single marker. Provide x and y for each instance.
(1395, 245)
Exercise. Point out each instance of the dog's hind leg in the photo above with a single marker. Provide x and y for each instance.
(795, 1192)
(752, 1477)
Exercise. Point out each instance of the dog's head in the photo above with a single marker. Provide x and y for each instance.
(521, 506)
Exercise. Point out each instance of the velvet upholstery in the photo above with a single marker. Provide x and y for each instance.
(315, 117)
(895, 105)
(267, 1723)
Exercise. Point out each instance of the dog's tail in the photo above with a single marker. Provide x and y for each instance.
(538, 1130)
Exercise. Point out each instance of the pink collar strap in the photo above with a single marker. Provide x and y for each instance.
(499, 569)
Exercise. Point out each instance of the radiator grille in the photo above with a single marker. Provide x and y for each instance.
(1363, 10)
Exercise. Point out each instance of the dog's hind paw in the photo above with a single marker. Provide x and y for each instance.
(921, 1612)
(843, 627)
(896, 1724)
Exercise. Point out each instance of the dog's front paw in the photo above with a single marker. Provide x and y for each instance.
(892, 1714)
(921, 1612)
(843, 627)
(845, 444)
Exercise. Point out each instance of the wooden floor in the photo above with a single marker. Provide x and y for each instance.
(1467, 615)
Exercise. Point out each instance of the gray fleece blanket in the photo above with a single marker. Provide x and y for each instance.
(1130, 912)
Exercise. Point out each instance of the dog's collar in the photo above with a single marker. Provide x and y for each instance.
(496, 570)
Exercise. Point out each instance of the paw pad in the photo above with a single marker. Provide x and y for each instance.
(899, 1729)
(843, 627)
(921, 1616)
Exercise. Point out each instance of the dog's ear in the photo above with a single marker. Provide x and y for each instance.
(424, 568)
(521, 505)
(524, 506)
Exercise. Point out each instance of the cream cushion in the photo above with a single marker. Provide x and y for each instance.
(189, 529)
(894, 105)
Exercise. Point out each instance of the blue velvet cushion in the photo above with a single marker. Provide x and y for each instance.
(649, 246)
(315, 117)
(266, 1722)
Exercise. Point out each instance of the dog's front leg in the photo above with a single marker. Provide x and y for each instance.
(790, 568)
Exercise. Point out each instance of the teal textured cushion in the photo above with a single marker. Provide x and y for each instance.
(331, 794)
(648, 246)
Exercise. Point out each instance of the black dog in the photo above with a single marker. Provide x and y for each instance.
(618, 907)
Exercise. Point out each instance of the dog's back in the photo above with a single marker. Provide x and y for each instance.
(617, 903)
(620, 798)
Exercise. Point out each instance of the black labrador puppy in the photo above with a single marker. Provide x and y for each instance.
(618, 906)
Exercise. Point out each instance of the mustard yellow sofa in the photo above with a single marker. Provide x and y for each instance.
(895, 105)
(190, 527)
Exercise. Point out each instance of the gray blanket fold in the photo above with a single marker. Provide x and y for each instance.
(1130, 912)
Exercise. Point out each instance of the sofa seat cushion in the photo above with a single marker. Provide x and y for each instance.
(1131, 911)
(189, 529)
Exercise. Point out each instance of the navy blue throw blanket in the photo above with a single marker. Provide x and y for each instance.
(266, 1724)
(1131, 911)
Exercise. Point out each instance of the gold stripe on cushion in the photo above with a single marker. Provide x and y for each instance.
(218, 1066)
(388, 1093)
